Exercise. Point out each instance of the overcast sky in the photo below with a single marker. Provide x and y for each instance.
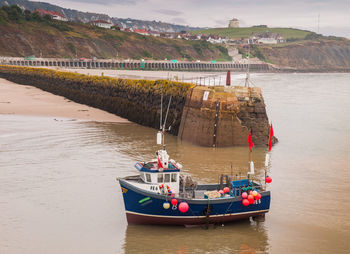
(334, 14)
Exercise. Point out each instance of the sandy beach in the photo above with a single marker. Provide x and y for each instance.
(27, 100)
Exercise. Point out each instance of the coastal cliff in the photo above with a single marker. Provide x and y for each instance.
(318, 55)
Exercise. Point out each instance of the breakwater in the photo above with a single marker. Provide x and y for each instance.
(136, 100)
(208, 116)
(138, 65)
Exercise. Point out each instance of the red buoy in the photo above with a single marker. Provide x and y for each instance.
(183, 207)
(226, 190)
(251, 201)
(244, 195)
(245, 202)
(258, 196)
(250, 197)
(174, 201)
(268, 179)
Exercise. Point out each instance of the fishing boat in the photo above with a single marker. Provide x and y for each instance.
(160, 195)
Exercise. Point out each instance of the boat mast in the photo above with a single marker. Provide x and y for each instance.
(247, 78)
(162, 124)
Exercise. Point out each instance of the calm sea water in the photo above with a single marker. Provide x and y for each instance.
(58, 192)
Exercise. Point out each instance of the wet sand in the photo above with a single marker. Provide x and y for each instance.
(18, 99)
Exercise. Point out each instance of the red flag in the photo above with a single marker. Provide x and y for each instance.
(160, 165)
(270, 137)
(250, 141)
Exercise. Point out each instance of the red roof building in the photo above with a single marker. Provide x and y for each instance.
(141, 31)
(53, 14)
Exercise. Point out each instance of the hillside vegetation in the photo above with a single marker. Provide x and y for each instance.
(85, 17)
(26, 33)
(245, 32)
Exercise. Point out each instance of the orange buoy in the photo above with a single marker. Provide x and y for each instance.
(268, 179)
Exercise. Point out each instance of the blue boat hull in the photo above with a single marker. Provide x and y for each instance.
(144, 207)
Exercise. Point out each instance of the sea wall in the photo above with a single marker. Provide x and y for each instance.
(206, 116)
(137, 100)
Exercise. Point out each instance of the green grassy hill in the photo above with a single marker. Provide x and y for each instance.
(26, 33)
(245, 32)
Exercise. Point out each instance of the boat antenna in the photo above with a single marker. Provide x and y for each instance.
(164, 123)
(161, 109)
(167, 111)
(247, 78)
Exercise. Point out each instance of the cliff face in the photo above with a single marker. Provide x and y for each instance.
(323, 55)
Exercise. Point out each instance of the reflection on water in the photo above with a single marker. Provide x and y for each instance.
(58, 192)
(239, 237)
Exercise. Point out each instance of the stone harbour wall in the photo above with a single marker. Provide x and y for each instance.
(207, 116)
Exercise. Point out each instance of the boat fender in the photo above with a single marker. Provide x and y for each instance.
(174, 203)
(166, 205)
(267, 160)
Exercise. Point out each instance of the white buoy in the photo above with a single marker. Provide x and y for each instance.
(267, 160)
(251, 168)
(159, 138)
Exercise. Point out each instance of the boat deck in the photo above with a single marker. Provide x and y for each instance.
(196, 191)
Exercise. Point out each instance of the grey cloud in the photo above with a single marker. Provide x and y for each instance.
(169, 12)
(107, 2)
(179, 21)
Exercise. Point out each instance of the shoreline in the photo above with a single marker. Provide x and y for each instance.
(16, 99)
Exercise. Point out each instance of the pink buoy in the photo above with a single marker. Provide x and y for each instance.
(268, 179)
(250, 193)
(245, 202)
(226, 190)
(258, 196)
(244, 195)
(183, 207)
(221, 192)
(174, 201)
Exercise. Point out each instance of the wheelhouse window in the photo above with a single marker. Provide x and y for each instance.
(160, 178)
(173, 177)
(167, 178)
(148, 178)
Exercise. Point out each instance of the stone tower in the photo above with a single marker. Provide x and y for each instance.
(234, 23)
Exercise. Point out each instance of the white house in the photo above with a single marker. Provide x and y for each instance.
(101, 23)
(267, 41)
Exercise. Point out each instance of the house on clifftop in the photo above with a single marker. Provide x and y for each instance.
(53, 14)
(101, 23)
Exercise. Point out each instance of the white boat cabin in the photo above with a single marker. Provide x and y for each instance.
(161, 175)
